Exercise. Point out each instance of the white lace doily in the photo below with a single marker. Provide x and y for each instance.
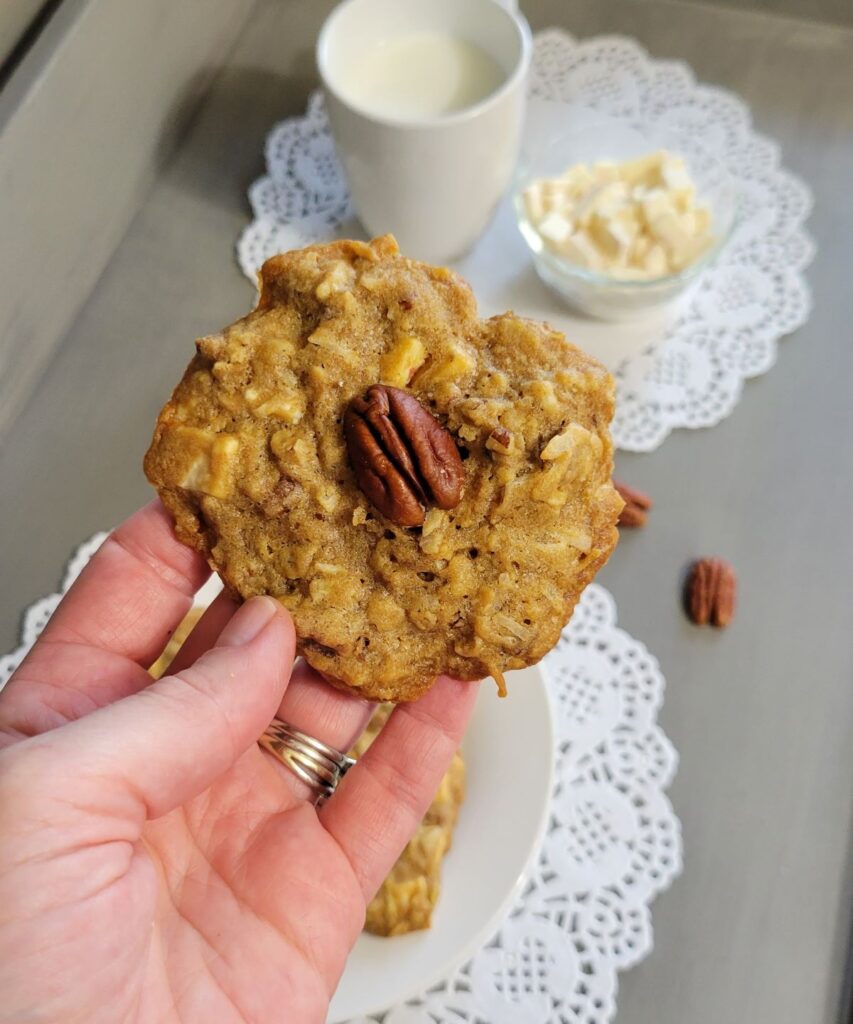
(685, 371)
(36, 616)
(613, 841)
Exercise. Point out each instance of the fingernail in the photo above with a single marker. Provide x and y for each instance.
(247, 622)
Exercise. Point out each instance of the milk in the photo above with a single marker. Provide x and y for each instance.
(421, 75)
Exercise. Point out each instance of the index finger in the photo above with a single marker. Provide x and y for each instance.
(110, 626)
(136, 588)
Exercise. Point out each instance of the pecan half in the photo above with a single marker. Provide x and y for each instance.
(710, 592)
(402, 457)
(636, 507)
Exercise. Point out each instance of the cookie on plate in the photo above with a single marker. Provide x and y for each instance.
(426, 491)
(176, 642)
(406, 899)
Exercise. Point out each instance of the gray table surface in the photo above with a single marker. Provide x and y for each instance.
(757, 928)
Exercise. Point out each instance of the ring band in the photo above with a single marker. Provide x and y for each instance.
(314, 762)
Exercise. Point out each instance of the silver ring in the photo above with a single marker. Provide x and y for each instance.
(314, 762)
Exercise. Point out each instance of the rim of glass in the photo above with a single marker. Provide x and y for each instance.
(509, 82)
(525, 175)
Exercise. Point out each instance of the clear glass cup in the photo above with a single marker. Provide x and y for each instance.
(598, 294)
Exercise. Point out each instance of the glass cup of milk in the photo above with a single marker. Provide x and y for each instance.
(426, 101)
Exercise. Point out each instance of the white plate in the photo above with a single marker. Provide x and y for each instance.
(509, 768)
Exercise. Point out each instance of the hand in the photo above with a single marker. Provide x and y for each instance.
(155, 864)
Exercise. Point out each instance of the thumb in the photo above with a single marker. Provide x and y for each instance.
(160, 747)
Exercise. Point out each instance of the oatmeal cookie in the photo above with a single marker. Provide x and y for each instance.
(406, 899)
(183, 630)
(427, 492)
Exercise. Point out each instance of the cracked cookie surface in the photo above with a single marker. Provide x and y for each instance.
(250, 457)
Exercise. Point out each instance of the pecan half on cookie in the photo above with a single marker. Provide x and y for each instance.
(402, 457)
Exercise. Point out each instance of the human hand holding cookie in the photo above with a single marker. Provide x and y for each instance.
(400, 491)
(144, 829)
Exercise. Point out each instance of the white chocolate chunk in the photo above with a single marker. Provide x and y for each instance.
(643, 170)
(456, 365)
(581, 249)
(579, 179)
(210, 460)
(559, 445)
(615, 232)
(399, 365)
(564, 443)
(555, 227)
(287, 408)
(340, 278)
(654, 262)
(674, 174)
(604, 199)
(656, 203)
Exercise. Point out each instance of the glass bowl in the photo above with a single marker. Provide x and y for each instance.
(599, 294)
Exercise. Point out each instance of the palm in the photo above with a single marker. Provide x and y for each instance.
(253, 888)
(156, 865)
